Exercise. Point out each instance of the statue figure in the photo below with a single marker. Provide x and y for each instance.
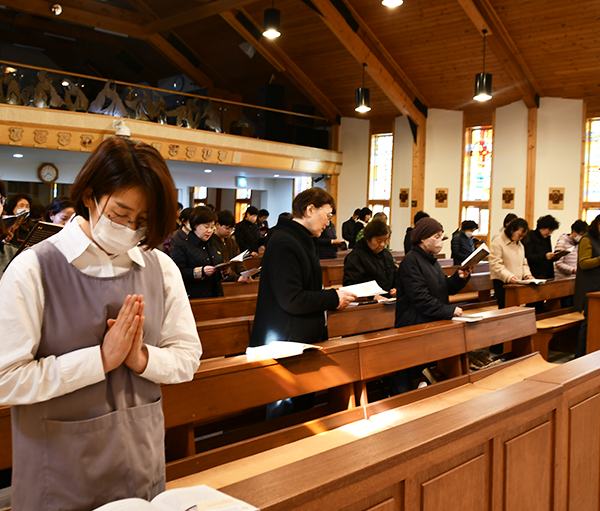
(211, 119)
(108, 102)
(10, 92)
(136, 106)
(187, 113)
(45, 95)
(157, 108)
(74, 97)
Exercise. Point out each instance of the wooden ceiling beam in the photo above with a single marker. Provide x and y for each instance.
(102, 22)
(378, 67)
(284, 64)
(195, 14)
(484, 16)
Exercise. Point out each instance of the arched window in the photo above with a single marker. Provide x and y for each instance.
(591, 179)
(380, 173)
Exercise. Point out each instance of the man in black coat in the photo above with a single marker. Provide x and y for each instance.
(538, 248)
(247, 233)
(292, 304)
(462, 241)
(348, 227)
(407, 244)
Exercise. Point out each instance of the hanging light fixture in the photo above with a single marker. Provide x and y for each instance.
(392, 3)
(483, 81)
(363, 96)
(272, 23)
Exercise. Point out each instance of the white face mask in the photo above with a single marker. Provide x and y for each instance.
(114, 240)
(21, 210)
(469, 234)
(577, 238)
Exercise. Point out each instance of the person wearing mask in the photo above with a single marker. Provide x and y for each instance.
(198, 255)
(94, 320)
(328, 243)
(224, 229)
(462, 241)
(348, 227)
(422, 290)
(538, 248)
(363, 219)
(59, 210)
(408, 246)
(566, 266)
(7, 251)
(16, 204)
(508, 263)
(587, 278)
(246, 232)
(370, 261)
(292, 304)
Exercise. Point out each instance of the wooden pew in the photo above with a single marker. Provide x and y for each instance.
(240, 288)
(593, 333)
(5, 438)
(221, 307)
(553, 323)
(478, 288)
(531, 445)
(333, 275)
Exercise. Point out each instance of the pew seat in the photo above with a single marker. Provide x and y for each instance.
(548, 329)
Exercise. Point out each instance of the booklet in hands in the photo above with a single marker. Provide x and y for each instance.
(237, 259)
(477, 256)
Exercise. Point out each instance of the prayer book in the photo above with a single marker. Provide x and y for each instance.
(39, 232)
(14, 220)
(532, 281)
(195, 498)
(477, 256)
(561, 253)
(468, 318)
(249, 273)
(278, 349)
(237, 259)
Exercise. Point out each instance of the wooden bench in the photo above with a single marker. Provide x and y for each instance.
(531, 444)
(557, 321)
(240, 288)
(5, 438)
(593, 333)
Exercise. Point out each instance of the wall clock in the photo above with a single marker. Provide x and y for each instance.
(48, 173)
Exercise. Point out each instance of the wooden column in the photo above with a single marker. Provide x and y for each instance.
(531, 151)
(418, 173)
(593, 332)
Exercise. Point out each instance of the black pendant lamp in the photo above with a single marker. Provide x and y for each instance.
(363, 96)
(483, 81)
(272, 23)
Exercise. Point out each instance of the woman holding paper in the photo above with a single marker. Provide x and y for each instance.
(371, 261)
(93, 322)
(198, 255)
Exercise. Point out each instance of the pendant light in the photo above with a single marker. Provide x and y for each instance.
(392, 3)
(272, 23)
(363, 96)
(483, 81)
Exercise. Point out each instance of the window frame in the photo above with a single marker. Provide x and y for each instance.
(385, 203)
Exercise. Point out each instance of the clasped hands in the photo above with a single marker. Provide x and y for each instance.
(123, 342)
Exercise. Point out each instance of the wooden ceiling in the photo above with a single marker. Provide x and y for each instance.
(429, 50)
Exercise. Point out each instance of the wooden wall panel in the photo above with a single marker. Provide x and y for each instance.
(448, 491)
(584, 445)
(528, 470)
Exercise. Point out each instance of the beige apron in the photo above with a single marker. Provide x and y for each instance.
(103, 442)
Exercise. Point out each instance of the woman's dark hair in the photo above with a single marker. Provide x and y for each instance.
(57, 205)
(37, 211)
(515, 225)
(3, 230)
(468, 225)
(226, 218)
(594, 232)
(315, 196)
(547, 222)
(202, 215)
(251, 210)
(579, 226)
(185, 215)
(11, 202)
(508, 219)
(376, 228)
(263, 212)
(419, 215)
(364, 212)
(121, 163)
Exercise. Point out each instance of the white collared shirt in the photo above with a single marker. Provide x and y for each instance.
(24, 380)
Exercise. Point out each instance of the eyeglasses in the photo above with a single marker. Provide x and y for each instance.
(329, 215)
(2, 200)
(123, 222)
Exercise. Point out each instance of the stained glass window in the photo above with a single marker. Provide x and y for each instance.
(478, 168)
(380, 174)
(301, 184)
(243, 194)
(591, 190)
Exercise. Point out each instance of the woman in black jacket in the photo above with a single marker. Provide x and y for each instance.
(538, 248)
(462, 241)
(370, 260)
(197, 256)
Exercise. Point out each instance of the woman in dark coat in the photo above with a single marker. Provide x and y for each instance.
(370, 260)
(462, 241)
(198, 255)
(292, 304)
(421, 284)
(538, 248)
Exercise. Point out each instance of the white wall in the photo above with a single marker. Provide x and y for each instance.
(352, 183)
(443, 158)
(402, 178)
(558, 158)
(509, 161)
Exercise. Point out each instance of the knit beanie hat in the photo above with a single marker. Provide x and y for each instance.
(425, 228)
